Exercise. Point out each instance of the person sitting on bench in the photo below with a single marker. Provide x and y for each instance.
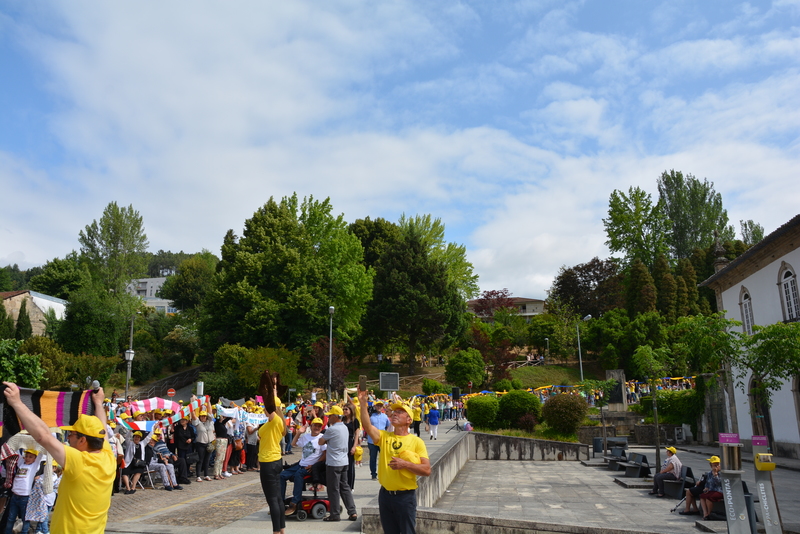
(671, 470)
(312, 453)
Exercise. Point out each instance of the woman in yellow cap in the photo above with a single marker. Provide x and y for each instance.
(708, 482)
(713, 488)
(670, 470)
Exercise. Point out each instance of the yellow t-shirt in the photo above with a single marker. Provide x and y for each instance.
(405, 446)
(271, 433)
(84, 495)
(417, 413)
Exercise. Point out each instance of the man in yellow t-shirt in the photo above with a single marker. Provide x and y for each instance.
(84, 495)
(269, 450)
(403, 457)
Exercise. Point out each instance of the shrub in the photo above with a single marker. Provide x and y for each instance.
(564, 413)
(432, 387)
(528, 422)
(145, 366)
(482, 411)
(516, 404)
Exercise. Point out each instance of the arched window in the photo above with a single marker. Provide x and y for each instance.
(787, 282)
(746, 309)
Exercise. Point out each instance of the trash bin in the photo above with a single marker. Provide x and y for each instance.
(597, 445)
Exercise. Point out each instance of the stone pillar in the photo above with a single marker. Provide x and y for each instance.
(618, 399)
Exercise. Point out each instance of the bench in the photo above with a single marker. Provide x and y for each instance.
(636, 466)
(618, 441)
(677, 488)
(617, 456)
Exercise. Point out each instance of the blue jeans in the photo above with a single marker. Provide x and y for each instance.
(16, 508)
(44, 526)
(374, 451)
(294, 472)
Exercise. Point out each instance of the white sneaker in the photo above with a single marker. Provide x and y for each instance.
(199, 479)
(226, 474)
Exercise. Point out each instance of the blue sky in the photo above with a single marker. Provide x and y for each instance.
(512, 121)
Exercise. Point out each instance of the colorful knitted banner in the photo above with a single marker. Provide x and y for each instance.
(155, 403)
(55, 408)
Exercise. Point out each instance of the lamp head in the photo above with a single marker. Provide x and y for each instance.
(330, 310)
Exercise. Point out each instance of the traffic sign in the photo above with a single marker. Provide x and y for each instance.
(170, 392)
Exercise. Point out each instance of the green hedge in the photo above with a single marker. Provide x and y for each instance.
(516, 404)
(564, 413)
(482, 411)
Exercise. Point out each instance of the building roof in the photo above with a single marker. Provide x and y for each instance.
(756, 251)
(42, 301)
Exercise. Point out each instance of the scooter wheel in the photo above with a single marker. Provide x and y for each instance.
(301, 515)
(318, 511)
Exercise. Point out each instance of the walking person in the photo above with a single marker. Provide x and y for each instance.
(403, 457)
(350, 420)
(433, 421)
(270, 435)
(378, 420)
(336, 466)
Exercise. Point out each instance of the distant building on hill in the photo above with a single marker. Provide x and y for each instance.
(526, 307)
(38, 306)
(147, 289)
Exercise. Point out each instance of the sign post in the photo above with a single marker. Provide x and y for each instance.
(765, 489)
(170, 392)
(732, 491)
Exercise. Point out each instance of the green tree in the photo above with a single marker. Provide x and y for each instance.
(772, 356)
(641, 291)
(602, 390)
(96, 322)
(60, 277)
(114, 249)
(635, 226)
(686, 271)
(704, 343)
(274, 285)
(463, 367)
(666, 289)
(453, 256)
(564, 413)
(165, 263)
(590, 288)
(516, 404)
(20, 368)
(5, 279)
(194, 278)
(376, 237)
(414, 301)
(55, 362)
(6, 323)
(694, 210)
(607, 337)
(24, 329)
(751, 231)
(563, 342)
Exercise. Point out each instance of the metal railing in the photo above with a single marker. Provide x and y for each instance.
(160, 387)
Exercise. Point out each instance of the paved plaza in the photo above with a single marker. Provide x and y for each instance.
(548, 493)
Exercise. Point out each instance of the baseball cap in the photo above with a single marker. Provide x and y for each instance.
(317, 421)
(401, 406)
(32, 451)
(318, 404)
(335, 410)
(202, 413)
(88, 425)
(673, 450)
(714, 459)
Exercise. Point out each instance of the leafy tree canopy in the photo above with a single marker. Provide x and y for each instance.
(274, 285)
(590, 288)
(452, 256)
(60, 277)
(694, 210)
(24, 329)
(114, 248)
(492, 300)
(751, 231)
(376, 237)
(636, 226)
(194, 278)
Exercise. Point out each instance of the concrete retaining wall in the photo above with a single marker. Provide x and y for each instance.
(447, 462)
(492, 447)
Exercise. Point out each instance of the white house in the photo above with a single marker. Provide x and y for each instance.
(760, 287)
(147, 289)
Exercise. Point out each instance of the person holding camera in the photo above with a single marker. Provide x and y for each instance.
(135, 463)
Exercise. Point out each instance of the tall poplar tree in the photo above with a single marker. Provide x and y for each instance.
(24, 329)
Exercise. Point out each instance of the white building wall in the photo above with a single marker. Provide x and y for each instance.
(764, 289)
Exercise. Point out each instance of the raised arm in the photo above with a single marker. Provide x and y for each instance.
(370, 430)
(37, 428)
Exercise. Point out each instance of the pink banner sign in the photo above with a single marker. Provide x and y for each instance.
(760, 441)
(725, 437)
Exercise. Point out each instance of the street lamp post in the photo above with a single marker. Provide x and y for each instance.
(330, 355)
(129, 360)
(547, 352)
(578, 330)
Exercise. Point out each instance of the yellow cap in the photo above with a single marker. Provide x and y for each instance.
(88, 425)
(335, 410)
(318, 404)
(137, 433)
(317, 421)
(673, 450)
(32, 451)
(202, 413)
(714, 459)
(401, 406)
